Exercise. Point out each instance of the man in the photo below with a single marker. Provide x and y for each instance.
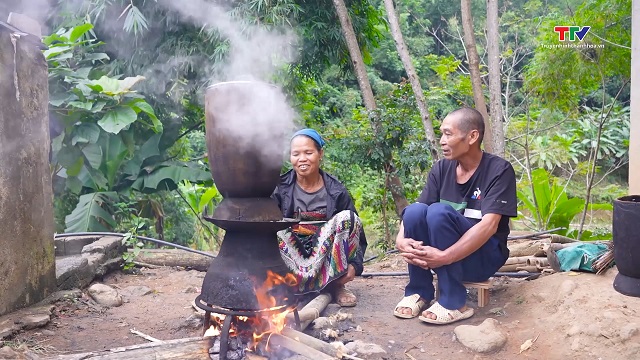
(458, 227)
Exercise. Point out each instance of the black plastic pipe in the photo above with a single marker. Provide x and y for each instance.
(157, 241)
(405, 273)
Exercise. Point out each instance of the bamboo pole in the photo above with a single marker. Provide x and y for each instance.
(298, 347)
(311, 341)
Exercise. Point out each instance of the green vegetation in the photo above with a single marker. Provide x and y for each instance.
(127, 80)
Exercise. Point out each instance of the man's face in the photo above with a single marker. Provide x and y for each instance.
(454, 142)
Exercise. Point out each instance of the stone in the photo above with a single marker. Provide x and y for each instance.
(484, 338)
(73, 272)
(136, 291)
(366, 351)
(8, 353)
(105, 295)
(191, 290)
(34, 321)
(627, 331)
(323, 323)
(111, 246)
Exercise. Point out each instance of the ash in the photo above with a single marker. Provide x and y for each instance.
(238, 350)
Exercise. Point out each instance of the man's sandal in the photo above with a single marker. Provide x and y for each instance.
(445, 316)
(413, 302)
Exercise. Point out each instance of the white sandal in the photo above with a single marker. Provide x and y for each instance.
(446, 316)
(413, 302)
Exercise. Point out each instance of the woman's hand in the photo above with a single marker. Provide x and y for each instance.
(350, 275)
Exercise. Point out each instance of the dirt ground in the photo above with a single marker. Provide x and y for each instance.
(570, 316)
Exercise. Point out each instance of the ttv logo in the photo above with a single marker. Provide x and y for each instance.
(574, 32)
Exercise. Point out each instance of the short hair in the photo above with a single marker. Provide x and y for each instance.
(469, 119)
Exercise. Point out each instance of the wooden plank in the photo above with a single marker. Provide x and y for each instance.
(179, 349)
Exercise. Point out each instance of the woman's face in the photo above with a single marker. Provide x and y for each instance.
(305, 156)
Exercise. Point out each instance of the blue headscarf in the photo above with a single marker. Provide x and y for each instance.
(314, 135)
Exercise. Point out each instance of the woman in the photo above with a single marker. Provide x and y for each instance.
(326, 249)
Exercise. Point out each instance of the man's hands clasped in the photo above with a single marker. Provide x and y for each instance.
(415, 253)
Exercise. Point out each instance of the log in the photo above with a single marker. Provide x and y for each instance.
(179, 349)
(517, 260)
(173, 257)
(531, 269)
(312, 310)
(311, 341)
(298, 348)
(559, 239)
(511, 268)
(525, 247)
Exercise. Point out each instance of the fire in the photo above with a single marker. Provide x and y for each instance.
(260, 325)
(275, 322)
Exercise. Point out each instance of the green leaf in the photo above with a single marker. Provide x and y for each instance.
(206, 198)
(167, 178)
(93, 154)
(90, 214)
(74, 169)
(112, 86)
(79, 30)
(86, 105)
(55, 50)
(117, 119)
(143, 106)
(85, 133)
(97, 56)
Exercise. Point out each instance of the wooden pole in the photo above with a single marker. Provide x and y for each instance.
(310, 341)
(179, 349)
(634, 131)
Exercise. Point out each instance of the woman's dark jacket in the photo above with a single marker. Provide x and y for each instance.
(338, 199)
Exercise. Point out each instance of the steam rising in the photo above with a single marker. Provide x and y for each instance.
(257, 116)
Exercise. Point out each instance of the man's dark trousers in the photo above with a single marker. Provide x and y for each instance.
(439, 225)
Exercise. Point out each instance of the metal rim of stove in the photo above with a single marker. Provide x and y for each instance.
(242, 312)
(226, 326)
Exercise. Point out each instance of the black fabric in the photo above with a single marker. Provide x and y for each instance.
(338, 199)
(490, 190)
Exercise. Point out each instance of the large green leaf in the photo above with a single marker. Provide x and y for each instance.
(111, 86)
(90, 213)
(117, 119)
(168, 177)
(85, 133)
(79, 30)
(93, 153)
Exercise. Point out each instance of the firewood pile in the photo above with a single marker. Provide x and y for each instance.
(532, 254)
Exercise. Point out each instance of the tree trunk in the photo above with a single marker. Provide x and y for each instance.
(395, 184)
(413, 79)
(495, 88)
(634, 131)
(474, 68)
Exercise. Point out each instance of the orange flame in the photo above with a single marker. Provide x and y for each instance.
(261, 325)
(275, 322)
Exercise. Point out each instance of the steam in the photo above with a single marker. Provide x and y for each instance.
(255, 52)
(257, 116)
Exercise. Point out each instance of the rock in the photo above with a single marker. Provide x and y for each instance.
(366, 351)
(574, 330)
(8, 353)
(627, 331)
(111, 246)
(73, 272)
(34, 321)
(191, 290)
(193, 322)
(48, 332)
(136, 291)
(323, 323)
(483, 338)
(105, 295)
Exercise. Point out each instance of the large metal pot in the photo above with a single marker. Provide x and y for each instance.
(246, 129)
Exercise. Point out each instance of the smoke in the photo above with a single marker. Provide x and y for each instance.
(255, 52)
(257, 116)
